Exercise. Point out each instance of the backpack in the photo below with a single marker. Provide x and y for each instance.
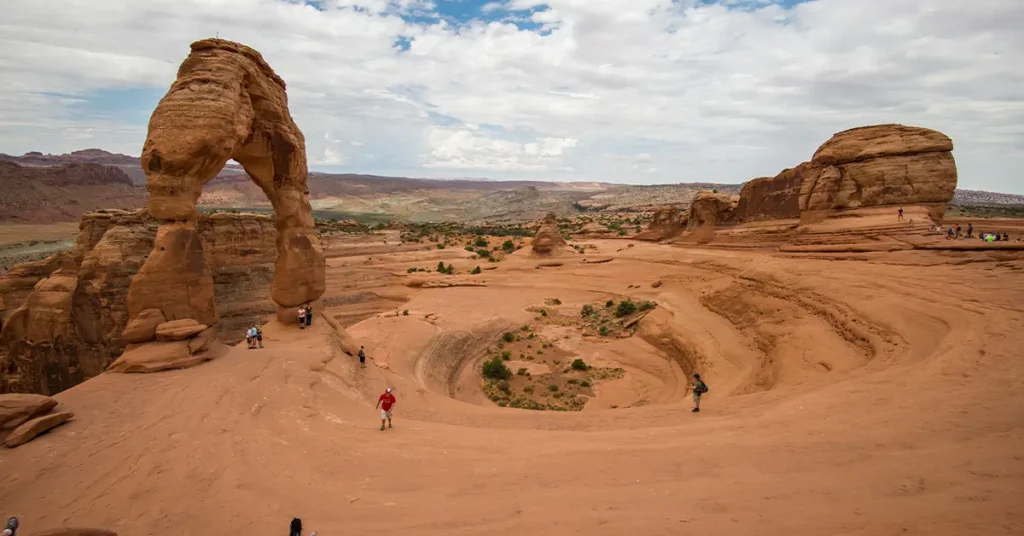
(702, 387)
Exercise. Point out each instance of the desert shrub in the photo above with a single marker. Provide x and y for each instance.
(475, 271)
(552, 387)
(495, 369)
(405, 312)
(504, 387)
(578, 364)
(508, 246)
(495, 398)
(587, 310)
(626, 307)
(506, 355)
(441, 268)
(530, 336)
(543, 312)
(483, 253)
(572, 381)
(540, 352)
(508, 336)
(469, 247)
(502, 404)
(555, 301)
(585, 383)
(603, 331)
(647, 305)
(440, 246)
(528, 389)
(480, 242)
(450, 270)
(410, 270)
(522, 372)
(609, 303)
(526, 327)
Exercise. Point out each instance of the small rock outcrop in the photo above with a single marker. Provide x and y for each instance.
(16, 409)
(666, 222)
(548, 240)
(36, 427)
(709, 209)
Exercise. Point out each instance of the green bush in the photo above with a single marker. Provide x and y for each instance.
(585, 383)
(578, 364)
(469, 248)
(603, 331)
(609, 303)
(441, 268)
(508, 246)
(587, 310)
(495, 369)
(506, 355)
(647, 305)
(552, 387)
(405, 312)
(440, 246)
(526, 327)
(528, 389)
(504, 387)
(410, 270)
(508, 337)
(480, 242)
(625, 308)
(475, 270)
(522, 372)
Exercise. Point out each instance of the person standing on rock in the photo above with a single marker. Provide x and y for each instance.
(970, 230)
(302, 318)
(385, 403)
(362, 357)
(699, 388)
(309, 316)
(899, 214)
(259, 336)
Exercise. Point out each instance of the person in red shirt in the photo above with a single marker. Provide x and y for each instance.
(385, 403)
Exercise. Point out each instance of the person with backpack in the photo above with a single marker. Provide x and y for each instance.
(259, 336)
(699, 388)
(309, 316)
(362, 357)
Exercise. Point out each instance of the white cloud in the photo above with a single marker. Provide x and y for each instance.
(467, 149)
(710, 93)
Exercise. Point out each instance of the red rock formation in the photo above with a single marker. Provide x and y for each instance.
(710, 209)
(548, 239)
(16, 409)
(666, 222)
(38, 426)
(67, 317)
(226, 103)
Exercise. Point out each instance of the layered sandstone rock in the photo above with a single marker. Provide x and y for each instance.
(770, 198)
(36, 427)
(666, 222)
(709, 209)
(67, 317)
(16, 409)
(548, 239)
(226, 103)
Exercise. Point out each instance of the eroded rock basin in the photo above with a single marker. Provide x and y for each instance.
(886, 384)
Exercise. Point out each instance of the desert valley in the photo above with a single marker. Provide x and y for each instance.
(541, 339)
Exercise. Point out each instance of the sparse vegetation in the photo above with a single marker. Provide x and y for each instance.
(405, 312)
(495, 369)
(625, 308)
(587, 310)
(508, 336)
(579, 364)
(603, 331)
(475, 271)
(480, 242)
(508, 246)
(609, 303)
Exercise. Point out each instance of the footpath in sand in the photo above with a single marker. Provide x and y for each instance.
(872, 396)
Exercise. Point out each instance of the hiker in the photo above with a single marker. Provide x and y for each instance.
(958, 231)
(362, 357)
(949, 234)
(1006, 237)
(699, 388)
(309, 316)
(248, 337)
(970, 230)
(259, 336)
(302, 318)
(385, 403)
(899, 216)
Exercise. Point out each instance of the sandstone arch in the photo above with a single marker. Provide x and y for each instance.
(226, 103)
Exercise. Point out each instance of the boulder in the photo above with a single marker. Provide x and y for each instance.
(865, 143)
(709, 209)
(202, 341)
(40, 425)
(16, 409)
(666, 222)
(158, 356)
(548, 239)
(179, 330)
(143, 327)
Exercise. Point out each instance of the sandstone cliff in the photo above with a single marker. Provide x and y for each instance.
(63, 193)
(63, 318)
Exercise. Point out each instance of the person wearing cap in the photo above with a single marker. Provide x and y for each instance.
(385, 403)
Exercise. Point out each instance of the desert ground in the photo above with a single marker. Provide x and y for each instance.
(872, 394)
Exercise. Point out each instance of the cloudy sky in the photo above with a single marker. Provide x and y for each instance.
(636, 91)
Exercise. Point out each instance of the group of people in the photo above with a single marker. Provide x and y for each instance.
(955, 232)
(305, 316)
(254, 337)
